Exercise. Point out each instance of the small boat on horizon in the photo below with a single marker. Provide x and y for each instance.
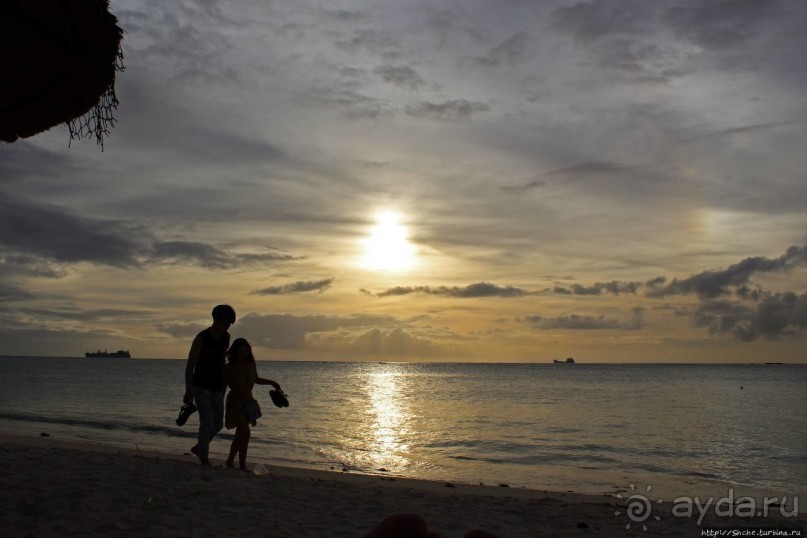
(569, 360)
(120, 354)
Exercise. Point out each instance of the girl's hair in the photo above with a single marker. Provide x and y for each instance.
(238, 344)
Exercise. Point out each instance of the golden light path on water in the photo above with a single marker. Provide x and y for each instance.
(389, 422)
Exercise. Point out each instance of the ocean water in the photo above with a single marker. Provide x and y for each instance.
(681, 429)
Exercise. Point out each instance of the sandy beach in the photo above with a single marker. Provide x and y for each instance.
(53, 487)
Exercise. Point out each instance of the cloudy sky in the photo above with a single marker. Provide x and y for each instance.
(486, 180)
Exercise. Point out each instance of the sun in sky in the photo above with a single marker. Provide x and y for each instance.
(529, 182)
(388, 248)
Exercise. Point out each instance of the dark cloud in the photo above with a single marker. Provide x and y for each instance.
(773, 315)
(614, 287)
(561, 290)
(750, 294)
(192, 253)
(296, 287)
(511, 50)
(721, 24)
(182, 329)
(361, 334)
(352, 75)
(660, 41)
(616, 35)
(13, 293)
(50, 232)
(287, 331)
(373, 41)
(402, 76)
(576, 322)
(711, 284)
(780, 314)
(586, 322)
(188, 40)
(24, 160)
(209, 256)
(234, 148)
(370, 164)
(479, 289)
(349, 102)
(60, 341)
(30, 266)
(344, 15)
(37, 234)
(76, 314)
(593, 21)
(457, 109)
(378, 342)
(569, 173)
(777, 315)
(723, 316)
(157, 121)
(738, 130)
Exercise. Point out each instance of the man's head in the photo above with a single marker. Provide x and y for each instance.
(223, 317)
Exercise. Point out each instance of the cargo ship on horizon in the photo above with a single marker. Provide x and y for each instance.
(120, 354)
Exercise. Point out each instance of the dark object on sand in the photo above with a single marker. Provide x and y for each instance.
(184, 413)
(279, 398)
(60, 58)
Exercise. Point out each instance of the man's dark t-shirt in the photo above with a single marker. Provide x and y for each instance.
(209, 370)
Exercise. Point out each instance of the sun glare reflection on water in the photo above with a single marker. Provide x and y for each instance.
(685, 429)
(387, 447)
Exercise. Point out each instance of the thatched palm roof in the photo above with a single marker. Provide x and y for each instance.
(58, 64)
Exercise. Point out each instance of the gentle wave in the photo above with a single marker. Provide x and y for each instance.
(99, 425)
(528, 425)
